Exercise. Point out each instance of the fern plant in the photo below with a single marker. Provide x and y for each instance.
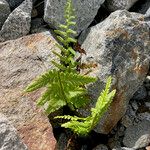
(65, 86)
(82, 126)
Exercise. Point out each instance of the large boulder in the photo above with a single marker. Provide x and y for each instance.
(17, 23)
(21, 61)
(119, 46)
(4, 11)
(9, 139)
(85, 12)
(113, 5)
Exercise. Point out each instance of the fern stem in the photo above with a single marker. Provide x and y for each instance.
(62, 89)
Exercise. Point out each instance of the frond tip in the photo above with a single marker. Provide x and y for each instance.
(82, 126)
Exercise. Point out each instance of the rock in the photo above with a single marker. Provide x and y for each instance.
(148, 12)
(123, 148)
(113, 5)
(137, 136)
(9, 139)
(119, 47)
(147, 83)
(4, 11)
(101, 147)
(15, 3)
(18, 22)
(85, 12)
(21, 61)
(140, 94)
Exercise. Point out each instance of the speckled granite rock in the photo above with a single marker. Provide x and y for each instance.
(4, 11)
(118, 46)
(9, 139)
(85, 12)
(113, 5)
(138, 136)
(17, 23)
(21, 61)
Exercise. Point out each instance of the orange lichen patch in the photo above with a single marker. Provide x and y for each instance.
(116, 111)
(141, 18)
(36, 135)
(134, 54)
(118, 31)
(32, 40)
(142, 69)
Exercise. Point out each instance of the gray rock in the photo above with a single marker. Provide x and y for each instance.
(18, 22)
(140, 94)
(9, 139)
(137, 136)
(4, 11)
(148, 12)
(113, 5)
(101, 147)
(123, 148)
(119, 47)
(85, 12)
(147, 83)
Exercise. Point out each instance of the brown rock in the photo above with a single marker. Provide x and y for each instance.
(21, 61)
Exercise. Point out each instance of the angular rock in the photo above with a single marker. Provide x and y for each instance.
(113, 5)
(118, 46)
(137, 136)
(9, 139)
(21, 61)
(4, 11)
(18, 22)
(85, 12)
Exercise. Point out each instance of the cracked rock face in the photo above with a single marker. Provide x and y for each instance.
(85, 12)
(119, 46)
(21, 61)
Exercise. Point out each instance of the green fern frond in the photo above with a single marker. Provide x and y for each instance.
(84, 126)
(42, 80)
(61, 86)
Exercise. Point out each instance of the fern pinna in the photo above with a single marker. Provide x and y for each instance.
(82, 126)
(65, 86)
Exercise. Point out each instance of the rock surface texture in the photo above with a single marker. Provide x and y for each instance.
(138, 136)
(18, 22)
(85, 12)
(114, 5)
(9, 139)
(119, 47)
(21, 61)
(4, 11)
